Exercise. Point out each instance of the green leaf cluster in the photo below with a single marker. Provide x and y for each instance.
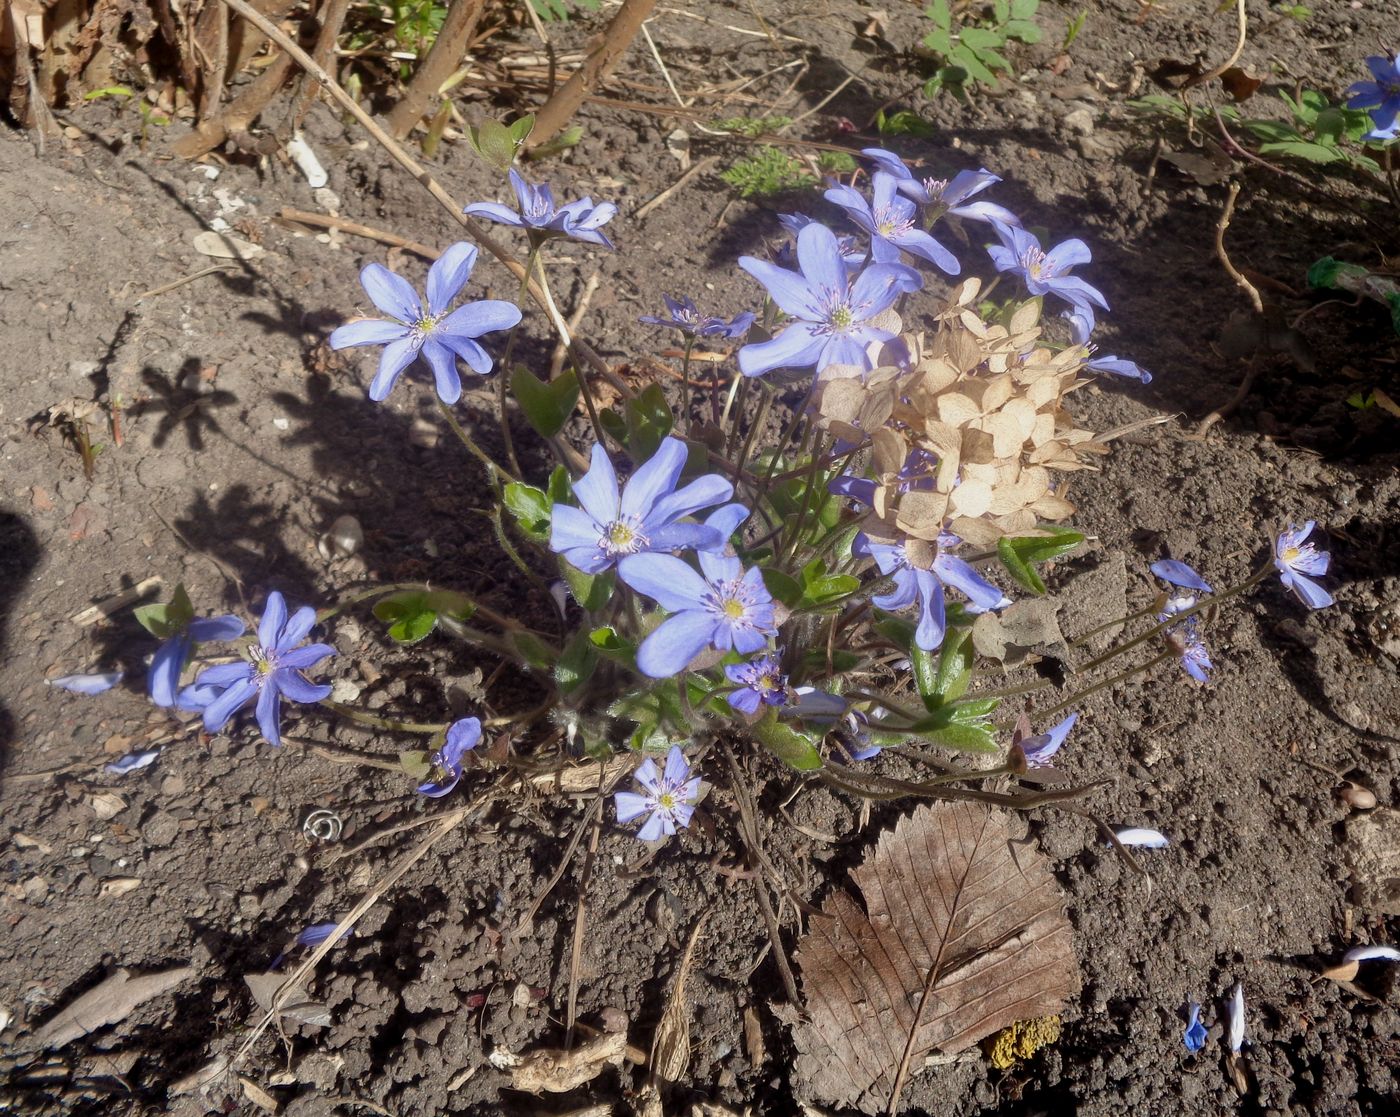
(768, 171)
(1019, 555)
(499, 143)
(972, 52)
(557, 11)
(413, 614)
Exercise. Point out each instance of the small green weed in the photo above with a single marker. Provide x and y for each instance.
(768, 171)
(971, 52)
(751, 126)
(902, 123)
(557, 11)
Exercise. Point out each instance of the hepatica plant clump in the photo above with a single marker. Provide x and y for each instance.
(831, 547)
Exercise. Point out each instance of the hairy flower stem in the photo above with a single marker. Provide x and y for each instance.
(799, 522)
(1176, 618)
(361, 718)
(1080, 695)
(493, 469)
(503, 382)
(765, 402)
(585, 387)
(372, 592)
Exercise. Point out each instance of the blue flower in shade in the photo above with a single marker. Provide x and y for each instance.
(644, 516)
(831, 312)
(723, 606)
(794, 223)
(1044, 273)
(924, 583)
(1081, 325)
(89, 685)
(892, 223)
(462, 737)
(668, 797)
(917, 474)
(167, 665)
(1381, 97)
(831, 711)
(682, 315)
(434, 335)
(1195, 1035)
(944, 195)
(1185, 640)
(1296, 560)
(759, 681)
(276, 669)
(318, 933)
(581, 220)
(1039, 750)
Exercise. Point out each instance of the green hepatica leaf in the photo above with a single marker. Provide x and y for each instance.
(591, 591)
(576, 664)
(408, 614)
(964, 738)
(531, 508)
(163, 619)
(1313, 153)
(649, 420)
(782, 586)
(548, 407)
(795, 749)
(414, 762)
(1019, 554)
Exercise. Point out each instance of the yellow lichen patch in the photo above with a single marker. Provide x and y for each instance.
(1022, 1040)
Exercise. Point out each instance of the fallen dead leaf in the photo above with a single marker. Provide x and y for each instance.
(118, 886)
(963, 933)
(257, 1095)
(223, 246)
(670, 1050)
(107, 804)
(204, 1076)
(298, 1007)
(116, 998)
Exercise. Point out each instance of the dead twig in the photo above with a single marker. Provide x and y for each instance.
(1224, 257)
(581, 921)
(556, 361)
(441, 62)
(332, 19)
(168, 287)
(1227, 409)
(666, 195)
(1212, 74)
(331, 221)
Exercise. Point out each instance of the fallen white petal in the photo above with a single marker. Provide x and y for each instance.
(88, 684)
(1141, 836)
(1371, 954)
(1236, 1030)
(133, 762)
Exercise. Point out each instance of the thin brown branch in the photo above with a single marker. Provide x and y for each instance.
(439, 65)
(330, 221)
(332, 20)
(1220, 226)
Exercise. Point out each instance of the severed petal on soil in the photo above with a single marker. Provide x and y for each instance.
(116, 998)
(87, 684)
(555, 1072)
(962, 934)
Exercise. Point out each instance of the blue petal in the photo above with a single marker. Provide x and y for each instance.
(462, 737)
(298, 688)
(703, 492)
(449, 274)
(494, 211)
(367, 331)
(88, 684)
(819, 257)
(397, 356)
(227, 627)
(443, 362)
(485, 316)
(979, 591)
(667, 580)
(571, 527)
(597, 489)
(225, 674)
(1309, 592)
(630, 805)
(928, 635)
(296, 628)
(655, 478)
(163, 678)
(922, 244)
(132, 762)
(745, 700)
(798, 346)
(1067, 254)
(299, 659)
(274, 619)
(391, 293)
(677, 641)
(268, 713)
(237, 695)
(1179, 574)
(478, 360)
(789, 290)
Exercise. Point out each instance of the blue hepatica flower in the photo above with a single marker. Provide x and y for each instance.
(681, 314)
(276, 669)
(1381, 96)
(923, 582)
(1184, 638)
(642, 517)
(892, 223)
(1195, 1035)
(943, 195)
(1039, 750)
(1044, 273)
(1081, 326)
(722, 606)
(850, 247)
(667, 798)
(831, 711)
(581, 220)
(831, 312)
(462, 737)
(167, 665)
(759, 681)
(434, 335)
(1296, 560)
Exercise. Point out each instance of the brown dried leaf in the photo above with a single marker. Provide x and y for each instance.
(1030, 626)
(560, 1071)
(112, 1001)
(954, 907)
(670, 1050)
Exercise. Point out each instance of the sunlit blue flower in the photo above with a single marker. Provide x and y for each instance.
(276, 669)
(943, 195)
(168, 664)
(892, 223)
(668, 797)
(831, 711)
(1081, 326)
(643, 516)
(683, 316)
(581, 220)
(1296, 560)
(1185, 641)
(916, 582)
(1195, 1035)
(758, 681)
(1044, 273)
(462, 737)
(726, 607)
(917, 474)
(1039, 750)
(831, 312)
(434, 335)
(1382, 96)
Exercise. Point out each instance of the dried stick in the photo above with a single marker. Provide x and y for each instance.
(580, 922)
(561, 107)
(330, 221)
(1220, 226)
(396, 150)
(439, 65)
(1214, 73)
(332, 19)
(239, 113)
